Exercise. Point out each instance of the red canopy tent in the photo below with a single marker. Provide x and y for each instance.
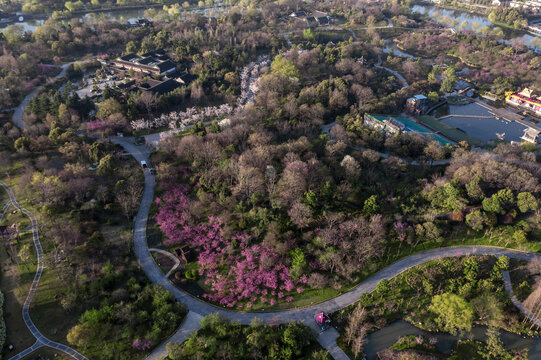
(323, 320)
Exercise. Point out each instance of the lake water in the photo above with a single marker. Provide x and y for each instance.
(130, 15)
(480, 128)
(386, 337)
(391, 48)
(461, 20)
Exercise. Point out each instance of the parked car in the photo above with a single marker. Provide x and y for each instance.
(144, 164)
(139, 140)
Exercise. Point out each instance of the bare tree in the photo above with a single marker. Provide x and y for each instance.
(128, 198)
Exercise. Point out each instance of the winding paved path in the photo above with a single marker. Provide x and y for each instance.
(304, 315)
(41, 340)
(509, 289)
(19, 110)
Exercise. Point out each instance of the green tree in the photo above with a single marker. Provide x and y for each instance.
(474, 190)
(477, 220)
(131, 47)
(284, 67)
(453, 313)
(495, 349)
(371, 206)
(70, 6)
(298, 263)
(22, 143)
(488, 309)
(108, 107)
(106, 166)
(526, 202)
(95, 151)
(471, 269)
(499, 202)
(449, 80)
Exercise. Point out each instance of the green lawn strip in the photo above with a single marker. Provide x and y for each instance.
(47, 353)
(15, 284)
(448, 131)
(47, 311)
(408, 296)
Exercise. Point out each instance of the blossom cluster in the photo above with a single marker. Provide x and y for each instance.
(142, 344)
(249, 77)
(181, 119)
(238, 272)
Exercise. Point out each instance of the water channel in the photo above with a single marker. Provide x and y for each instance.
(122, 15)
(462, 20)
(386, 337)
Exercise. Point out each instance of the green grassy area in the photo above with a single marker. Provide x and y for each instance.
(47, 353)
(448, 131)
(15, 279)
(47, 311)
(409, 295)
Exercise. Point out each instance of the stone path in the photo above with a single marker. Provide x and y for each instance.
(306, 314)
(514, 300)
(41, 340)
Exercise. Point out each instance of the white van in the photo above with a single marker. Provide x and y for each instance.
(144, 164)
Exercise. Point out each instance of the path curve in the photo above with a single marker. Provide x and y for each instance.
(41, 340)
(509, 289)
(170, 256)
(17, 117)
(306, 314)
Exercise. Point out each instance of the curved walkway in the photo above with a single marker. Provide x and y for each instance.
(19, 110)
(170, 256)
(306, 314)
(509, 289)
(41, 340)
(395, 73)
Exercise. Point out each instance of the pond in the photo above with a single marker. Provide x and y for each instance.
(391, 48)
(386, 337)
(484, 129)
(462, 20)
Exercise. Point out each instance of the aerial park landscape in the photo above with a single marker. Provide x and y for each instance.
(270, 180)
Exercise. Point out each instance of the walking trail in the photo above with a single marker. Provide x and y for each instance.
(41, 340)
(305, 315)
(19, 110)
(514, 300)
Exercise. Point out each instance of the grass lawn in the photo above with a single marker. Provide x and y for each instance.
(449, 131)
(47, 353)
(46, 310)
(15, 280)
